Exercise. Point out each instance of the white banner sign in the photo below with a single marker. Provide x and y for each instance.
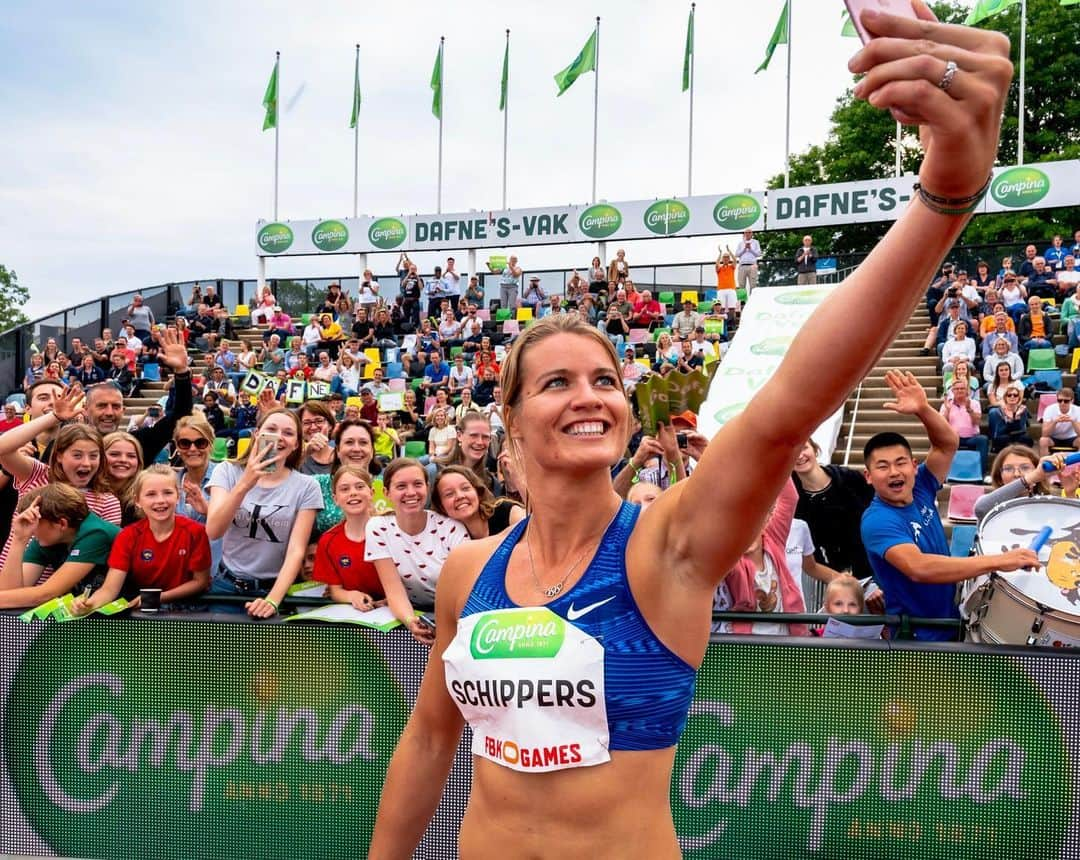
(770, 320)
(636, 219)
(1036, 186)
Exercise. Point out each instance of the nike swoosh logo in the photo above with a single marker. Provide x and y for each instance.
(574, 614)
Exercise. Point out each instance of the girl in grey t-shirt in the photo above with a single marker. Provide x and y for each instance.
(263, 509)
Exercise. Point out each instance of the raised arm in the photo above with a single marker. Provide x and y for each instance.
(911, 400)
(747, 462)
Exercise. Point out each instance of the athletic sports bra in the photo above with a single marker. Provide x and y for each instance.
(560, 685)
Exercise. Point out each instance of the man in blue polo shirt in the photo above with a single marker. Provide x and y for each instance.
(901, 530)
(436, 374)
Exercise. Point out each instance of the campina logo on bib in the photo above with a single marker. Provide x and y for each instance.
(776, 345)
(1019, 187)
(517, 633)
(666, 217)
(943, 755)
(736, 212)
(330, 235)
(803, 297)
(600, 221)
(236, 751)
(387, 233)
(275, 238)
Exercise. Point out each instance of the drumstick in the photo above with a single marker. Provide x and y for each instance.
(1070, 460)
(1041, 538)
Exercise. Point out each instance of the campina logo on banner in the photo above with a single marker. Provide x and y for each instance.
(600, 221)
(736, 212)
(1020, 187)
(385, 234)
(277, 750)
(667, 217)
(275, 238)
(330, 236)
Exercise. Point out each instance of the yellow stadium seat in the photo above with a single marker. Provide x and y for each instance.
(242, 311)
(242, 445)
(644, 362)
(524, 314)
(376, 361)
(690, 296)
(1075, 361)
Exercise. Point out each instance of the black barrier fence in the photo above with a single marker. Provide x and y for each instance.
(303, 295)
(201, 738)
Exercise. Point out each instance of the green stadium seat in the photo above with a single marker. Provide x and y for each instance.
(741, 294)
(415, 448)
(503, 314)
(704, 307)
(1041, 359)
(659, 331)
(666, 298)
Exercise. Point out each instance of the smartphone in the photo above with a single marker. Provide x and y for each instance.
(428, 618)
(268, 440)
(893, 7)
(681, 439)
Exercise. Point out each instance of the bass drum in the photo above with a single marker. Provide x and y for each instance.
(1040, 607)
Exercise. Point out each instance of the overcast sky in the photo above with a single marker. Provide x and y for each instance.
(132, 152)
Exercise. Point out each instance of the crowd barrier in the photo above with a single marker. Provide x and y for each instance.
(199, 737)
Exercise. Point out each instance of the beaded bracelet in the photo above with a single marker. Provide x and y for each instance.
(952, 205)
(268, 600)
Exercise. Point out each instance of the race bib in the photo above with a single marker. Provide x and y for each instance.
(531, 685)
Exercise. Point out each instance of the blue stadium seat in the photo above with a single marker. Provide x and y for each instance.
(151, 372)
(1051, 378)
(395, 370)
(966, 468)
(963, 538)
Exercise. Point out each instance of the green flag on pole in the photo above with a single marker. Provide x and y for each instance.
(1070, 2)
(688, 52)
(848, 31)
(355, 94)
(436, 85)
(270, 101)
(505, 77)
(585, 61)
(779, 37)
(986, 8)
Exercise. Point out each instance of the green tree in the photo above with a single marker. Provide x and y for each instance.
(13, 298)
(861, 141)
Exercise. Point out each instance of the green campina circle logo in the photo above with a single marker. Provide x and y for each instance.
(777, 345)
(1018, 187)
(387, 233)
(517, 633)
(600, 221)
(330, 235)
(944, 755)
(724, 415)
(275, 238)
(666, 217)
(220, 747)
(736, 212)
(802, 297)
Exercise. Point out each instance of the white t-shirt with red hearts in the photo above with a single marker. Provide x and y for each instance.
(419, 558)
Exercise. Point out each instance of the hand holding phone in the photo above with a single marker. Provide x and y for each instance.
(268, 441)
(892, 7)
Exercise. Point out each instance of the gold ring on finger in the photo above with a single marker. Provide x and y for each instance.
(947, 78)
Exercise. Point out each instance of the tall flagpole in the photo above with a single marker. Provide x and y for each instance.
(1023, 59)
(690, 153)
(277, 125)
(596, 104)
(506, 114)
(787, 113)
(356, 139)
(442, 77)
(899, 131)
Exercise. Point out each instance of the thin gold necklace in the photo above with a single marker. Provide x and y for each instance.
(556, 589)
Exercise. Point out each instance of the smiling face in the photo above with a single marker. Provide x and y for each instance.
(158, 497)
(407, 490)
(474, 439)
(121, 461)
(354, 446)
(80, 463)
(806, 460)
(891, 472)
(353, 495)
(285, 427)
(570, 411)
(458, 496)
(104, 408)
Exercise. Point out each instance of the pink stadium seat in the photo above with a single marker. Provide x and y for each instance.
(962, 498)
(397, 384)
(511, 327)
(638, 335)
(1044, 401)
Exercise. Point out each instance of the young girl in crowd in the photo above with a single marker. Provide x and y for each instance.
(76, 458)
(159, 550)
(264, 510)
(844, 596)
(409, 546)
(123, 462)
(460, 495)
(339, 556)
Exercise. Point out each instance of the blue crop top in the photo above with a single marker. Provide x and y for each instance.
(647, 687)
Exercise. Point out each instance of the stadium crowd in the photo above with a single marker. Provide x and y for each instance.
(357, 445)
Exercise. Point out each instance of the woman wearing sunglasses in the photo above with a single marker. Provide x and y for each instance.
(194, 437)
